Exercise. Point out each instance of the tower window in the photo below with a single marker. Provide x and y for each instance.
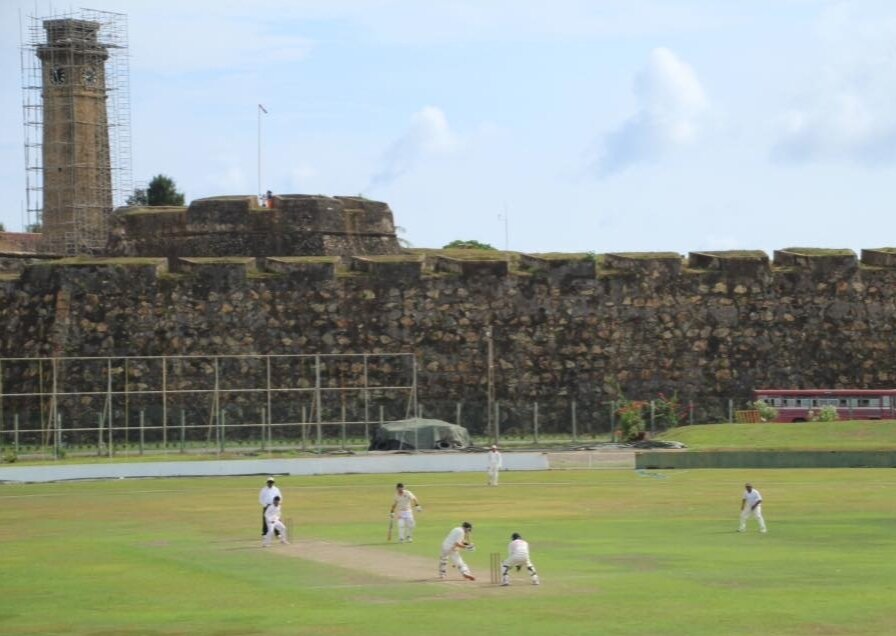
(57, 75)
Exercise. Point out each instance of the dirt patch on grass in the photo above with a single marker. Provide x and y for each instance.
(378, 562)
(383, 561)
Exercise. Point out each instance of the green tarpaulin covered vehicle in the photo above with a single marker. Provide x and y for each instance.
(419, 434)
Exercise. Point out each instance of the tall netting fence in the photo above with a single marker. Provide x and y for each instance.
(566, 420)
(113, 406)
(200, 404)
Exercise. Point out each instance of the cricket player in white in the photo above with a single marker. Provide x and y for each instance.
(751, 505)
(272, 516)
(458, 539)
(405, 503)
(265, 499)
(518, 555)
(495, 464)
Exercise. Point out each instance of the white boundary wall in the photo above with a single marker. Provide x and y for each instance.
(422, 463)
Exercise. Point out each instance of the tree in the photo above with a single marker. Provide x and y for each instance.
(468, 245)
(2, 227)
(163, 191)
(138, 198)
(402, 241)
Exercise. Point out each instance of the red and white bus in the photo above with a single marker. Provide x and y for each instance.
(851, 404)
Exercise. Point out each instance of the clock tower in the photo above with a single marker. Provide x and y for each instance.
(77, 179)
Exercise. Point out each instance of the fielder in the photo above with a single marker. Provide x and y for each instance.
(458, 539)
(272, 516)
(495, 464)
(518, 555)
(405, 502)
(751, 506)
(265, 499)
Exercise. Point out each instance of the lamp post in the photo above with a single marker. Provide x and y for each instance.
(505, 218)
(261, 109)
(490, 390)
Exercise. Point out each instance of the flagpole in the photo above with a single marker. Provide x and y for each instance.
(261, 109)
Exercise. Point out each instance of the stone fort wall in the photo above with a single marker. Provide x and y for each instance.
(294, 225)
(564, 326)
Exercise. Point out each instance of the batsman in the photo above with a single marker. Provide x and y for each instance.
(458, 539)
(405, 503)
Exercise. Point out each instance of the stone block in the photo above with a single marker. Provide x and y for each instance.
(406, 268)
(559, 265)
(816, 260)
(471, 268)
(95, 273)
(220, 212)
(310, 268)
(879, 257)
(652, 264)
(738, 263)
(218, 273)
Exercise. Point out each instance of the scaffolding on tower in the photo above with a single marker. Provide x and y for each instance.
(76, 114)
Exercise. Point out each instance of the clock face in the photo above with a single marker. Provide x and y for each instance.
(88, 76)
(57, 76)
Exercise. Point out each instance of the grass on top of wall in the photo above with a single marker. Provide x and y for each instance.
(852, 435)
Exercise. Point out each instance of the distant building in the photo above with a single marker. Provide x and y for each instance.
(77, 183)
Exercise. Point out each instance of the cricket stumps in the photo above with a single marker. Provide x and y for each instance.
(495, 568)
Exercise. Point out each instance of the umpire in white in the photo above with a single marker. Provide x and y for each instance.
(266, 498)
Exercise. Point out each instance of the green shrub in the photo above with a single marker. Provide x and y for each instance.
(767, 412)
(825, 414)
(631, 419)
(668, 412)
(9, 456)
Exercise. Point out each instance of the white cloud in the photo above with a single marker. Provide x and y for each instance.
(428, 135)
(842, 108)
(671, 107)
(843, 126)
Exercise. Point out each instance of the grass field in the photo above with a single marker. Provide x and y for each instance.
(618, 552)
(847, 436)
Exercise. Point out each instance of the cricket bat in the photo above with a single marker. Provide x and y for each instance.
(389, 534)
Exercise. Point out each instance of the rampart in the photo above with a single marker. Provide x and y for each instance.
(563, 325)
(294, 225)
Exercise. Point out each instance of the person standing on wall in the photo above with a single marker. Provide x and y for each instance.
(495, 464)
(265, 499)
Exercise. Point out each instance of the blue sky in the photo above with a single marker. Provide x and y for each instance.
(633, 125)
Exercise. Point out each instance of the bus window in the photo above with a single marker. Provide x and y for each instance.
(843, 402)
(864, 402)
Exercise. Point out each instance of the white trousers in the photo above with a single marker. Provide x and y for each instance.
(746, 513)
(277, 525)
(406, 525)
(455, 557)
(493, 476)
(511, 561)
